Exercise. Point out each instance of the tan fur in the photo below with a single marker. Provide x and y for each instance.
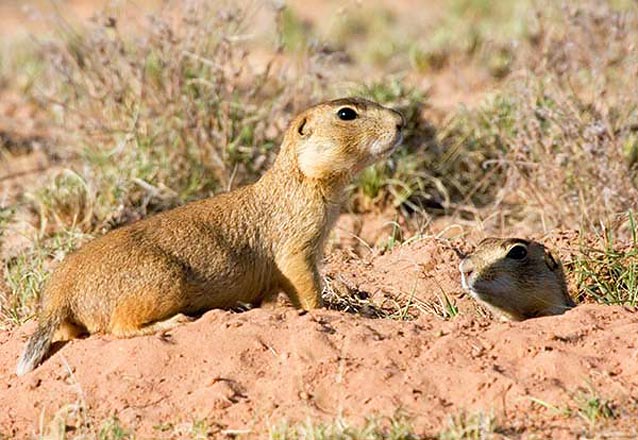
(239, 247)
(516, 288)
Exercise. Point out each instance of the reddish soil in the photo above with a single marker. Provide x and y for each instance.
(248, 371)
(244, 372)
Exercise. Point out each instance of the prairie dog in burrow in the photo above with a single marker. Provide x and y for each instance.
(517, 278)
(244, 246)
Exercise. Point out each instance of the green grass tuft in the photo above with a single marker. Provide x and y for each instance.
(593, 408)
(112, 429)
(397, 427)
(466, 426)
(608, 273)
(26, 274)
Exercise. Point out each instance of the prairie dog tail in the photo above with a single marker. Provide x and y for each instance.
(39, 343)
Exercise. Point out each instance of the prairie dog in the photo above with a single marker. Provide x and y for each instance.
(239, 247)
(517, 278)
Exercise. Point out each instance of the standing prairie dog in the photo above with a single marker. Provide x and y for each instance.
(517, 278)
(239, 247)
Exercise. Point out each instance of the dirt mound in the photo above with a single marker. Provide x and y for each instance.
(244, 372)
(423, 274)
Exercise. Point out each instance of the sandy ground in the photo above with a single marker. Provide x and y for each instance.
(245, 372)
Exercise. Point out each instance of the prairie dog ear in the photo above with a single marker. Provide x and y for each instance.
(303, 127)
(550, 260)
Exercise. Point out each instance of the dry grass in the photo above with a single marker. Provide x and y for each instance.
(341, 295)
(606, 269)
(186, 108)
(594, 412)
(396, 427)
(154, 120)
(556, 144)
(470, 426)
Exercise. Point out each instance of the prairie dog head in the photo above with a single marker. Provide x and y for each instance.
(339, 138)
(519, 278)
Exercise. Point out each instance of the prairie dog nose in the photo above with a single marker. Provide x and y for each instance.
(466, 267)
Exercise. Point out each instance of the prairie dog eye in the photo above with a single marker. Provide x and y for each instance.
(347, 114)
(518, 252)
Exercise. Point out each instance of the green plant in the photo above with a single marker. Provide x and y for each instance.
(593, 408)
(112, 429)
(293, 33)
(587, 403)
(26, 273)
(466, 426)
(396, 427)
(564, 412)
(67, 201)
(157, 121)
(6, 215)
(608, 273)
